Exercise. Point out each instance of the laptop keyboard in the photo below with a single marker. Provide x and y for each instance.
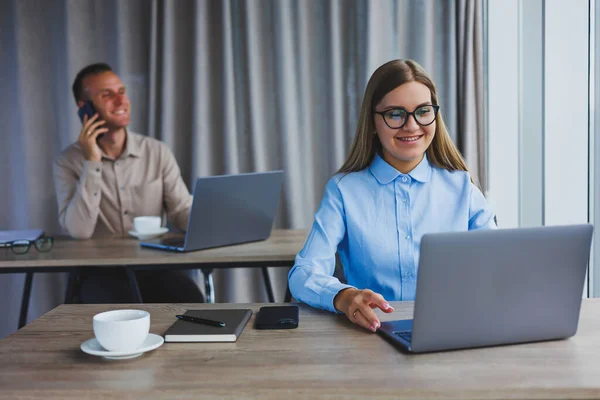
(406, 335)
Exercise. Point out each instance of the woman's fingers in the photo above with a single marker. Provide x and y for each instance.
(363, 314)
(377, 300)
(360, 308)
(383, 306)
(371, 318)
(359, 318)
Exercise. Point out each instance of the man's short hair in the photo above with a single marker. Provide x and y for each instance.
(92, 69)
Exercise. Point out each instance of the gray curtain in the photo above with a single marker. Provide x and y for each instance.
(231, 86)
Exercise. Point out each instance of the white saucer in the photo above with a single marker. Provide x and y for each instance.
(92, 347)
(149, 235)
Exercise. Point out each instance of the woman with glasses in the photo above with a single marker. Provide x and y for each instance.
(403, 178)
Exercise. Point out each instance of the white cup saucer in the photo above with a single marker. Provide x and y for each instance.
(149, 235)
(91, 346)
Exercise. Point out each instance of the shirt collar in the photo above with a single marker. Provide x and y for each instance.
(385, 173)
(132, 146)
(422, 171)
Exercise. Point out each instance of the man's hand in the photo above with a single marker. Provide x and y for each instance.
(358, 306)
(87, 138)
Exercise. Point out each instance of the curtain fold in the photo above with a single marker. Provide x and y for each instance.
(470, 88)
(231, 86)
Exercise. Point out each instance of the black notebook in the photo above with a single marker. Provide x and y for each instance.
(184, 331)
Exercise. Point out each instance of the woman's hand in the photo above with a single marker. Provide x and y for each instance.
(358, 306)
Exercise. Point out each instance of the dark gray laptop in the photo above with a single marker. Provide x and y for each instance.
(494, 287)
(228, 209)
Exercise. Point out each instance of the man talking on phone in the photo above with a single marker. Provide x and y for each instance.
(112, 175)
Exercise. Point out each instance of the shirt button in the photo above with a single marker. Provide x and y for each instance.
(404, 179)
(122, 187)
(125, 212)
(97, 169)
(96, 194)
(407, 237)
(409, 274)
(404, 200)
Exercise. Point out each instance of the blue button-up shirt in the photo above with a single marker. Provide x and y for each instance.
(374, 219)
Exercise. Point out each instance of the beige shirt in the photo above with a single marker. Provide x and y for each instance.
(102, 198)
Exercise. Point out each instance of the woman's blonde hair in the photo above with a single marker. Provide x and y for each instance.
(441, 153)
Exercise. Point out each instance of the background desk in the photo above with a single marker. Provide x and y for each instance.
(278, 251)
(326, 356)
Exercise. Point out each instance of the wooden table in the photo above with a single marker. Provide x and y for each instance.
(67, 254)
(326, 357)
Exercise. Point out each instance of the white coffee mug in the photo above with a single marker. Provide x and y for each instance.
(121, 330)
(146, 224)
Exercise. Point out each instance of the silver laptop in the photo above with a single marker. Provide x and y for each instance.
(228, 209)
(494, 287)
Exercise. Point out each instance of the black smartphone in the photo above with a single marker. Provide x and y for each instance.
(277, 317)
(88, 109)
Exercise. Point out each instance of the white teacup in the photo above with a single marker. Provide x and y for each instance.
(146, 224)
(121, 330)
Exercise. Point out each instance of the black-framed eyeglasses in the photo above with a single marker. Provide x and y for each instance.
(396, 118)
(22, 246)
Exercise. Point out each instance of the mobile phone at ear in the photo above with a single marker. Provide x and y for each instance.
(277, 317)
(88, 109)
